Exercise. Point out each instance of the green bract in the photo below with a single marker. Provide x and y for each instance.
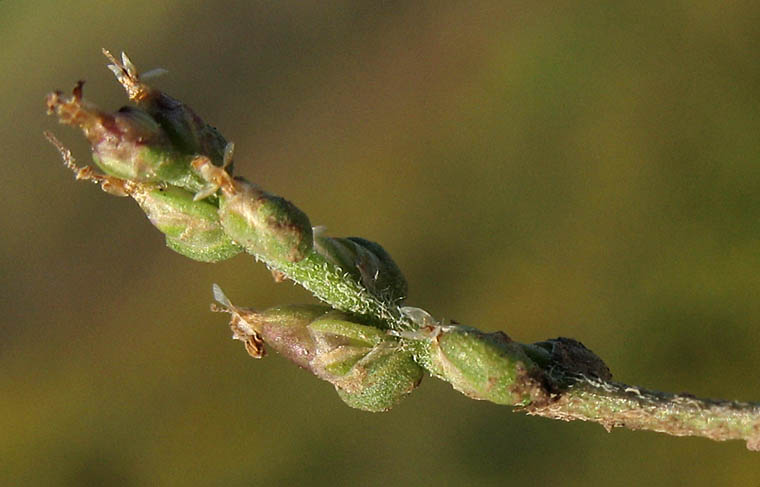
(380, 379)
(366, 262)
(266, 225)
(192, 227)
(488, 366)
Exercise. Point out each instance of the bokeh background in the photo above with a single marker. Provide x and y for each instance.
(586, 169)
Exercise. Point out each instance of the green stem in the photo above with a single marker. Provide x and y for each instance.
(613, 404)
(334, 286)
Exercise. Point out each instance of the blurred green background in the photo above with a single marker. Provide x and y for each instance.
(586, 169)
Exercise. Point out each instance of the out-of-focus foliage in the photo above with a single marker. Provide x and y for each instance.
(589, 170)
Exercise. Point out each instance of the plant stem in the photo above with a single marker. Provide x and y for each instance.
(331, 284)
(178, 168)
(613, 404)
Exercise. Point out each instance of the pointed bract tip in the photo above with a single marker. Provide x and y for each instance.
(128, 63)
(219, 295)
(229, 151)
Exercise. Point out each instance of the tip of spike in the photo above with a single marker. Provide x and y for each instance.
(126, 73)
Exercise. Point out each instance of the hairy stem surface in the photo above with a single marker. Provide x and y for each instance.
(614, 405)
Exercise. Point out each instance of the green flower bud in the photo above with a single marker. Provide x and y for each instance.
(192, 228)
(487, 366)
(368, 263)
(368, 368)
(266, 226)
